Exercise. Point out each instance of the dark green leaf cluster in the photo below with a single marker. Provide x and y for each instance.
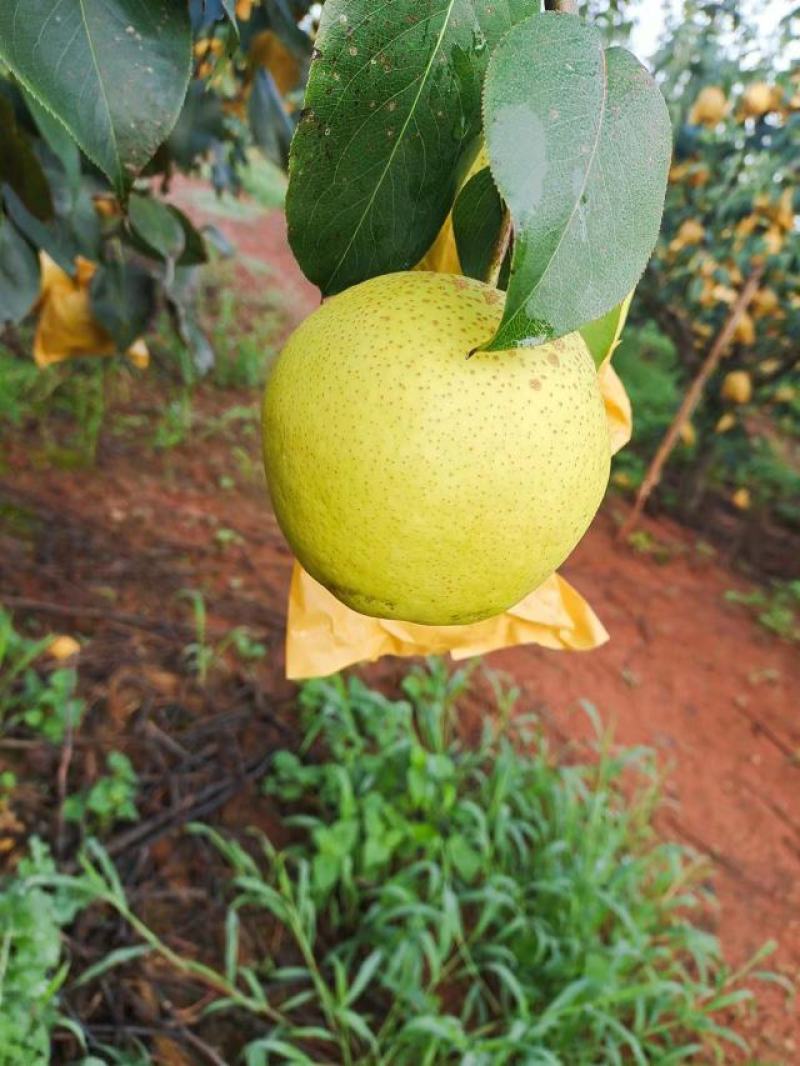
(92, 100)
(401, 98)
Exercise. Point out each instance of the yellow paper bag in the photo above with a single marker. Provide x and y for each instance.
(323, 636)
(66, 327)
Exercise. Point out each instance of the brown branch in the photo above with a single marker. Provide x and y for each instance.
(500, 250)
(566, 7)
(691, 400)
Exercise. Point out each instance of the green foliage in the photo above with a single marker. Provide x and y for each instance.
(399, 86)
(110, 799)
(132, 82)
(32, 970)
(243, 332)
(440, 901)
(582, 163)
(44, 702)
(777, 609)
(491, 901)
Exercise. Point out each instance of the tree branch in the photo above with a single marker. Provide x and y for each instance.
(691, 400)
(500, 250)
(566, 7)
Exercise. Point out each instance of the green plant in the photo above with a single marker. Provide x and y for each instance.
(777, 609)
(199, 654)
(242, 334)
(244, 644)
(44, 702)
(32, 968)
(66, 407)
(175, 423)
(110, 799)
(441, 903)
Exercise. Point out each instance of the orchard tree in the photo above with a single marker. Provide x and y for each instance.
(731, 217)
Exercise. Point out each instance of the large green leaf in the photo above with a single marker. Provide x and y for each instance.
(113, 71)
(579, 143)
(392, 121)
(19, 274)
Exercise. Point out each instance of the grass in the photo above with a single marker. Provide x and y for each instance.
(443, 903)
(776, 609)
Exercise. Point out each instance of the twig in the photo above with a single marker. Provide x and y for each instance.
(134, 621)
(500, 250)
(61, 783)
(566, 7)
(206, 801)
(690, 401)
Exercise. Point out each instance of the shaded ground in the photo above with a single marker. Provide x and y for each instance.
(106, 552)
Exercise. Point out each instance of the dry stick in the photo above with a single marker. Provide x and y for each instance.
(500, 250)
(691, 400)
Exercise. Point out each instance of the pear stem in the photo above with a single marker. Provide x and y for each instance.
(500, 250)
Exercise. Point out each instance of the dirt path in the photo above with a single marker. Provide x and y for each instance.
(685, 672)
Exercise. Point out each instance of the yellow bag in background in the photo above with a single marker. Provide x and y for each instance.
(66, 327)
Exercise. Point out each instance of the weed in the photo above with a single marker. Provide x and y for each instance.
(199, 654)
(44, 702)
(777, 609)
(109, 800)
(175, 423)
(31, 968)
(445, 904)
(246, 647)
(66, 405)
(226, 538)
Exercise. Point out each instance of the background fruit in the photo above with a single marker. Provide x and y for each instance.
(415, 483)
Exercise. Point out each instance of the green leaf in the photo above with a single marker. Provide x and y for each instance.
(604, 334)
(19, 166)
(157, 226)
(464, 857)
(580, 153)
(477, 219)
(114, 72)
(58, 140)
(122, 300)
(194, 251)
(19, 274)
(391, 124)
(49, 238)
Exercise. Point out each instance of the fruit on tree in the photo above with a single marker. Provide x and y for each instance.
(765, 302)
(690, 232)
(745, 331)
(759, 98)
(419, 484)
(737, 387)
(710, 107)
